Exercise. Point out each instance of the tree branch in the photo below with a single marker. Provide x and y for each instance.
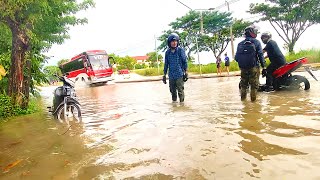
(281, 26)
(278, 32)
(299, 35)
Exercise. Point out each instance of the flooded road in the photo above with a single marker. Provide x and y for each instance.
(133, 131)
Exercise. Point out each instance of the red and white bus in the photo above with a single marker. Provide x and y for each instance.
(91, 67)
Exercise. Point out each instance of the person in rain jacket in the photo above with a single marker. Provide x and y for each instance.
(176, 64)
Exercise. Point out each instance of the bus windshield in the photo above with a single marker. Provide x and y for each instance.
(99, 61)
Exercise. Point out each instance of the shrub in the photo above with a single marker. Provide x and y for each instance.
(149, 72)
(313, 55)
(7, 109)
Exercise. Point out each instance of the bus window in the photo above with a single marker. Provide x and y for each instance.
(72, 66)
(99, 62)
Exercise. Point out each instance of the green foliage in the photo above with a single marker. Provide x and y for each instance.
(152, 58)
(126, 62)
(218, 39)
(290, 18)
(7, 109)
(212, 68)
(313, 55)
(216, 35)
(5, 38)
(149, 72)
(51, 72)
(62, 61)
(140, 66)
(205, 69)
(36, 25)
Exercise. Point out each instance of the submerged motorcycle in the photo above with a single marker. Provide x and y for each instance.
(65, 104)
(283, 78)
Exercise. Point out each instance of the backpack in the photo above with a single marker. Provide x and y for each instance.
(246, 55)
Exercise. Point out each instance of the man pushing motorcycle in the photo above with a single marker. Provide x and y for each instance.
(275, 56)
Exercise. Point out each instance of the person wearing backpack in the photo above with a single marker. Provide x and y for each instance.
(176, 62)
(249, 56)
(275, 56)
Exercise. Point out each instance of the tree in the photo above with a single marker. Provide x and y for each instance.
(62, 61)
(126, 62)
(152, 58)
(35, 25)
(185, 41)
(218, 40)
(51, 72)
(216, 31)
(290, 18)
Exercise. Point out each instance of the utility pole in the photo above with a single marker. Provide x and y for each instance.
(231, 34)
(156, 50)
(201, 23)
(201, 31)
(198, 56)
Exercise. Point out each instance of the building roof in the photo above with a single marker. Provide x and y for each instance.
(140, 57)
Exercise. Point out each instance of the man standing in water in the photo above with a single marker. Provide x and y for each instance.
(176, 61)
(249, 54)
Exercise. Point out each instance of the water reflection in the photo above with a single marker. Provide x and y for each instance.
(133, 131)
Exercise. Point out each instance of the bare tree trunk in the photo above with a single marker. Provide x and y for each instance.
(291, 47)
(26, 85)
(189, 55)
(20, 43)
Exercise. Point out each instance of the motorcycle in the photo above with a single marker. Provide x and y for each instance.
(65, 103)
(283, 78)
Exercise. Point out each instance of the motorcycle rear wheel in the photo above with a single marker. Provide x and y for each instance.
(73, 112)
(299, 82)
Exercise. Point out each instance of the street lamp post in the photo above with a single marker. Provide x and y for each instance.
(156, 50)
(231, 34)
(201, 31)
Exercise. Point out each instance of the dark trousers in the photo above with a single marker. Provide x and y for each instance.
(270, 69)
(177, 85)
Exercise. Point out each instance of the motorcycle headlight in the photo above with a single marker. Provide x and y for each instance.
(67, 91)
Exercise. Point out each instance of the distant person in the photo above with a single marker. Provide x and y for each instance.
(249, 54)
(176, 61)
(226, 62)
(275, 56)
(218, 63)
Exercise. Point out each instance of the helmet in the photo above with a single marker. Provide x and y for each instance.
(173, 36)
(265, 37)
(251, 31)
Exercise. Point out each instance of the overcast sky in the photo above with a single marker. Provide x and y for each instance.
(127, 27)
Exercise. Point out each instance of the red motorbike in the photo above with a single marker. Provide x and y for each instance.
(283, 78)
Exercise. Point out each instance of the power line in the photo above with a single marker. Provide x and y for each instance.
(133, 46)
(225, 4)
(184, 4)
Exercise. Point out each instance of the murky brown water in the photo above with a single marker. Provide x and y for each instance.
(133, 131)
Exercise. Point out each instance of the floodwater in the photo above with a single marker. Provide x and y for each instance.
(133, 131)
